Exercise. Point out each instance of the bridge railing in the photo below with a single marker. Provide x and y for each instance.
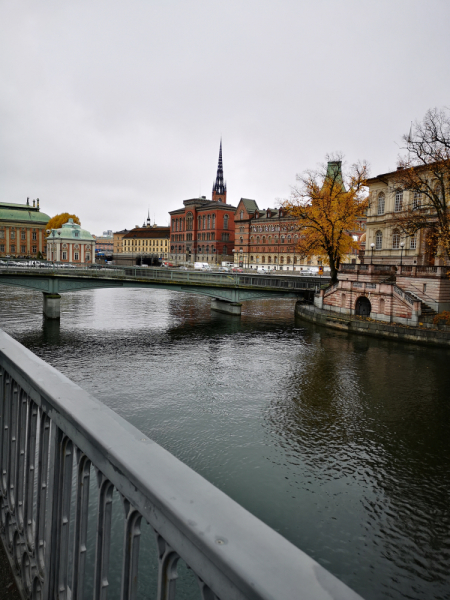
(54, 437)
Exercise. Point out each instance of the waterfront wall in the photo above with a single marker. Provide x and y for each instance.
(421, 335)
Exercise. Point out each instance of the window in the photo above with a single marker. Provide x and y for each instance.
(241, 214)
(413, 242)
(64, 255)
(381, 202)
(214, 221)
(13, 248)
(77, 233)
(225, 222)
(34, 249)
(378, 240)
(2, 247)
(76, 256)
(417, 200)
(23, 248)
(241, 240)
(189, 222)
(263, 259)
(23, 235)
(209, 221)
(88, 256)
(13, 234)
(269, 259)
(204, 222)
(398, 201)
(396, 239)
(199, 222)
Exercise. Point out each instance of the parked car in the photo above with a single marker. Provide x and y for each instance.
(237, 270)
(263, 270)
(224, 269)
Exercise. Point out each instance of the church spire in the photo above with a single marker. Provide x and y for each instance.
(219, 191)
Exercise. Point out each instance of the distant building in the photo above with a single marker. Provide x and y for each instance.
(104, 244)
(117, 240)
(203, 230)
(71, 244)
(108, 233)
(148, 245)
(22, 230)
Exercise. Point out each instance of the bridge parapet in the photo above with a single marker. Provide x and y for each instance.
(54, 437)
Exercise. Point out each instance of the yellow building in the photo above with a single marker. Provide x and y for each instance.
(117, 240)
(147, 245)
(22, 230)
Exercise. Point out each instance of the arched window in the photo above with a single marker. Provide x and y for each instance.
(381, 202)
(209, 221)
(189, 221)
(275, 259)
(225, 222)
(214, 221)
(257, 239)
(199, 222)
(263, 259)
(251, 258)
(295, 260)
(288, 260)
(396, 239)
(257, 259)
(204, 222)
(269, 259)
(242, 214)
(381, 306)
(282, 259)
(343, 300)
(378, 240)
(398, 201)
(241, 240)
(413, 242)
(264, 239)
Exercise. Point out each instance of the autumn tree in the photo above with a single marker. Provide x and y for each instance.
(58, 220)
(424, 171)
(327, 205)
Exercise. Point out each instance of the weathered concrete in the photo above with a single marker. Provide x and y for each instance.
(417, 335)
(52, 306)
(227, 308)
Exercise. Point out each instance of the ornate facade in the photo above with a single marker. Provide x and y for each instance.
(203, 230)
(71, 244)
(22, 230)
(148, 245)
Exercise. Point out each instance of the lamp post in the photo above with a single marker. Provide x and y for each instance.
(401, 252)
(372, 246)
(241, 258)
(234, 255)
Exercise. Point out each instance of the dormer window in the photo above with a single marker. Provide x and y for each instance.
(77, 233)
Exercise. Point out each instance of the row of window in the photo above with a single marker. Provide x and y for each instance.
(398, 202)
(202, 249)
(396, 240)
(23, 249)
(145, 242)
(204, 222)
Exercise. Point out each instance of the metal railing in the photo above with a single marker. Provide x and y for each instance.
(54, 437)
(409, 299)
(175, 276)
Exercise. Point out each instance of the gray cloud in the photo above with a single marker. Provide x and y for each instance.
(110, 108)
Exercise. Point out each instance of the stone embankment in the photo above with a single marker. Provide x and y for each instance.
(421, 334)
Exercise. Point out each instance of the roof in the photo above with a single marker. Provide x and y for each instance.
(250, 205)
(23, 213)
(70, 231)
(148, 233)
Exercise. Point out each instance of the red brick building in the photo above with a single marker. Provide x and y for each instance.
(203, 230)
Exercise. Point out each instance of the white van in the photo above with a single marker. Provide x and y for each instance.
(263, 270)
(202, 266)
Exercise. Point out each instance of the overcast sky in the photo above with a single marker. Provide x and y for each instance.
(112, 108)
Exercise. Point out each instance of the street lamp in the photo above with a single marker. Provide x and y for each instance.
(401, 252)
(372, 246)
(241, 257)
(234, 255)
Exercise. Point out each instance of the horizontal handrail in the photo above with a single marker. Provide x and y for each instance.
(233, 554)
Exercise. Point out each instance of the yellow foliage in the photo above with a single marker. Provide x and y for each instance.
(58, 220)
(327, 209)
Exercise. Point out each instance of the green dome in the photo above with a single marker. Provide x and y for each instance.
(71, 231)
(23, 213)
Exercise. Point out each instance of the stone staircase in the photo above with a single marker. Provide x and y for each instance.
(426, 310)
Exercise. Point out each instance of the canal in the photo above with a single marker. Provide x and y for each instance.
(340, 443)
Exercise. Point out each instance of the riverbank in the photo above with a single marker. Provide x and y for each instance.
(366, 326)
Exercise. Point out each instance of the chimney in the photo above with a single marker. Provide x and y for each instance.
(34, 203)
(37, 203)
(28, 202)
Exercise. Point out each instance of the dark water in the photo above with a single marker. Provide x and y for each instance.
(341, 443)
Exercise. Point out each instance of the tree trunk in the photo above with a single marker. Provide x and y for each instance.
(333, 270)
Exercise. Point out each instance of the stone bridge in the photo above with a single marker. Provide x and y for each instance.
(227, 290)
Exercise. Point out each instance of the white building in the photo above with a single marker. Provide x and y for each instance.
(71, 244)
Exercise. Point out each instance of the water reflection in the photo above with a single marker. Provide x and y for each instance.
(339, 442)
